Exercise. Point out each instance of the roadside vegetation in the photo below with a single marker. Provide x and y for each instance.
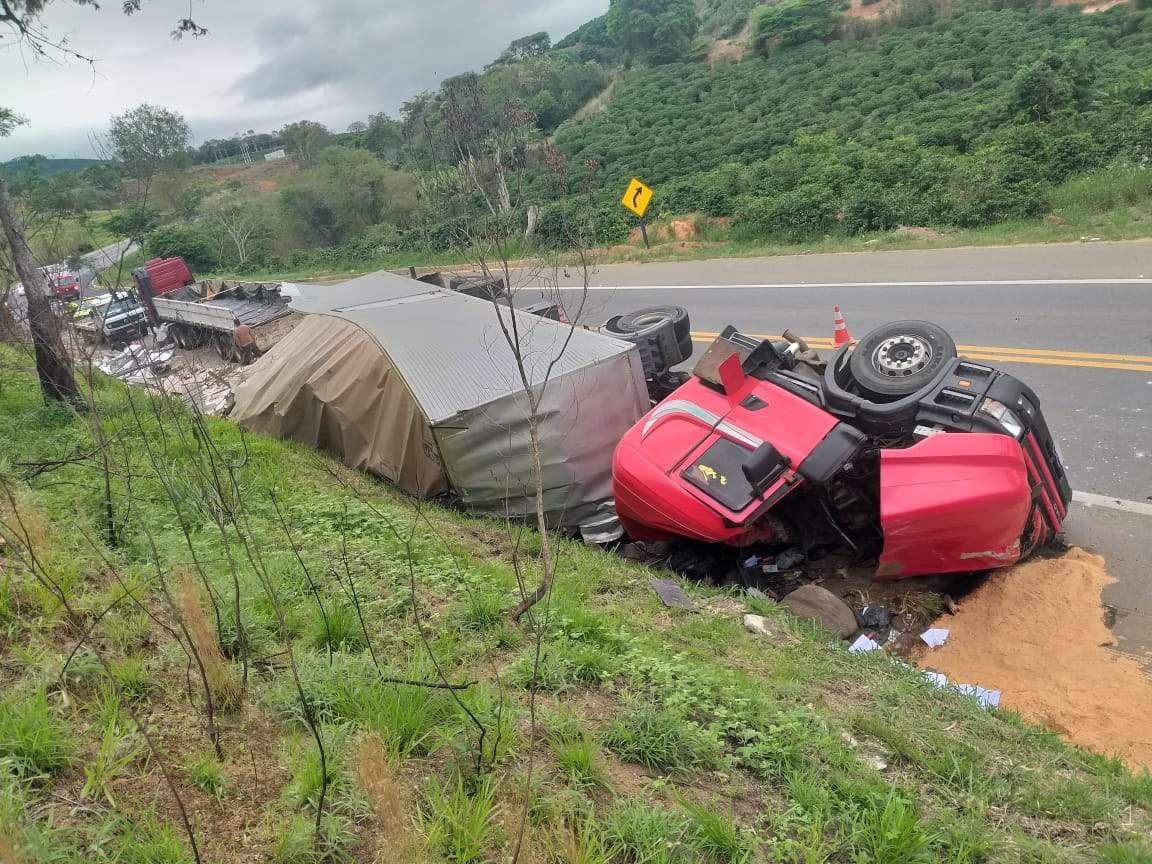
(984, 121)
(215, 635)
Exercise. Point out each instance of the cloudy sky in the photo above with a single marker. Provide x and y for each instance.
(263, 64)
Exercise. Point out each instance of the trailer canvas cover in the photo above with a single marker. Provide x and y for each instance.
(419, 385)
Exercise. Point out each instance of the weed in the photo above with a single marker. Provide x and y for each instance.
(890, 832)
(497, 716)
(403, 716)
(641, 833)
(141, 841)
(297, 841)
(659, 739)
(483, 610)
(581, 843)
(377, 778)
(127, 631)
(33, 736)
(461, 826)
(133, 678)
(337, 628)
(1129, 852)
(227, 692)
(579, 761)
(564, 665)
(206, 773)
(120, 746)
(308, 770)
(716, 836)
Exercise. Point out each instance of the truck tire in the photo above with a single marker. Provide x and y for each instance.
(653, 330)
(899, 358)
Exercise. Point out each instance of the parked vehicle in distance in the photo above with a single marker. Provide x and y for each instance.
(63, 285)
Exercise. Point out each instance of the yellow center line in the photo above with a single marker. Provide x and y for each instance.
(1039, 356)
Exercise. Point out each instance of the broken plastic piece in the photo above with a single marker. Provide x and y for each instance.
(862, 644)
(934, 637)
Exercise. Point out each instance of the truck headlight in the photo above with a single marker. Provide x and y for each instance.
(1003, 415)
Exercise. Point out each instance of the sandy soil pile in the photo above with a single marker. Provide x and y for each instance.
(1037, 633)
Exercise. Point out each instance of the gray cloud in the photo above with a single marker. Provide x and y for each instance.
(263, 64)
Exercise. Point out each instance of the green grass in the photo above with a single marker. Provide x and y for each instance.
(461, 824)
(776, 743)
(657, 738)
(206, 773)
(34, 737)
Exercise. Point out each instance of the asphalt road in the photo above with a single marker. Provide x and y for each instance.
(1073, 321)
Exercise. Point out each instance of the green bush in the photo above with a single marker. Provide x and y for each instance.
(801, 214)
(793, 22)
(33, 735)
(179, 240)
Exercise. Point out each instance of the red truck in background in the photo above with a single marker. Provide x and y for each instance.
(161, 276)
(63, 284)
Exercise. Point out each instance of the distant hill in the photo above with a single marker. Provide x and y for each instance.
(45, 166)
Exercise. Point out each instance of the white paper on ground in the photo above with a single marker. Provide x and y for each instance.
(935, 637)
(863, 643)
(937, 678)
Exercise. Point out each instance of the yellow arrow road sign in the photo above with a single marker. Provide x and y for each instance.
(637, 198)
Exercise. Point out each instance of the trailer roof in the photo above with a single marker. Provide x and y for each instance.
(449, 347)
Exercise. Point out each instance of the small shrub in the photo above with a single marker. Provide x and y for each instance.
(207, 774)
(460, 826)
(483, 611)
(128, 631)
(32, 735)
(563, 665)
(659, 739)
(308, 770)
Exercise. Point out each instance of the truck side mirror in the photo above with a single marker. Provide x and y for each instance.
(763, 467)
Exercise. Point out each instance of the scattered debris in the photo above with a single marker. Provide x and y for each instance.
(757, 624)
(820, 604)
(934, 637)
(987, 698)
(671, 594)
(759, 595)
(863, 644)
(874, 617)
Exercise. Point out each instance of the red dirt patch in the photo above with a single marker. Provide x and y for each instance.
(872, 11)
(731, 49)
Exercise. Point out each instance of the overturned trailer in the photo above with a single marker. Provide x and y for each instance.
(418, 385)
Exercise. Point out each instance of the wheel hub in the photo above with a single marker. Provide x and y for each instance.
(901, 356)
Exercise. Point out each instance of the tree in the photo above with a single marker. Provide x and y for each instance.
(356, 127)
(526, 47)
(147, 140)
(384, 136)
(656, 31)
(792, 22)
(53, 365)
(305, 139)
(240, 223)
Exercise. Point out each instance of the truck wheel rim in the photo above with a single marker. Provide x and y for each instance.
(901, 356)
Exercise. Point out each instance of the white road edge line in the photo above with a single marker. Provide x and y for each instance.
(1091, 499)
(943, 284)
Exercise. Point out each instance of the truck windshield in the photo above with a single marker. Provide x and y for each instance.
(120, 307)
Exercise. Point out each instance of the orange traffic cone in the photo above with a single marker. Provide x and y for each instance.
(840, 334)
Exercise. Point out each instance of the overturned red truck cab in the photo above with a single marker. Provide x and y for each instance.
(896, 449)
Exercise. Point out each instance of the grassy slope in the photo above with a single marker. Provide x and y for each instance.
(671, 736)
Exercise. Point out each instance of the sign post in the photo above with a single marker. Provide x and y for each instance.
(636, 198)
